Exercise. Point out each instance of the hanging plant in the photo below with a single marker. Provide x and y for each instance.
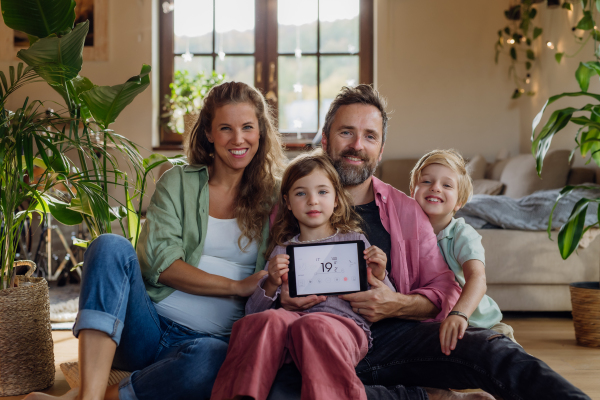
(515, 40)
(586, 24)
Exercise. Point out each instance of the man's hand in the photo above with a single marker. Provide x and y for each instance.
(378, 303)
(298, 303)
(377, 260)
(452, 329)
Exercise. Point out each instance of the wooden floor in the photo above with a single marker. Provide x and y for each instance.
(550, 339)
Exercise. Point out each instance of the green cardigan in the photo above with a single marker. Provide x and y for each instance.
(176, 224)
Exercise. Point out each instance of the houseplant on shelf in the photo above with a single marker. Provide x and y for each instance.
(585, 296)
(182, 106)
(72, 148)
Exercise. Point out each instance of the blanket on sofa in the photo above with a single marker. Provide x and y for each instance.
(527, 213)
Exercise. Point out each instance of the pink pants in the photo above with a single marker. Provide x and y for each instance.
(325, 347)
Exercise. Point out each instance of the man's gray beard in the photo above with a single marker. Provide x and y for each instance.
(351, 175)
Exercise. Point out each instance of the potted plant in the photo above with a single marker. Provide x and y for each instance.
(75, 149)
(182, 106)
(585, 296)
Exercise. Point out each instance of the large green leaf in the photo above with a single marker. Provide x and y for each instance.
(587, 22)
(75, 87)
(59, 210)
(571, 232)
(106, 102)
(39, 18)
(57, 59)
(584, 72)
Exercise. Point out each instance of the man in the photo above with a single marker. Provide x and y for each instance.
(405, 351)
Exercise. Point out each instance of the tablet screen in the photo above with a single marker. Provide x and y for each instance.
(327, 268)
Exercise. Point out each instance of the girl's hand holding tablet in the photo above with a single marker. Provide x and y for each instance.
(377, 260)
(278, 270)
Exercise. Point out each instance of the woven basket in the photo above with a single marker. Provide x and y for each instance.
(26, 347)
(585, 298)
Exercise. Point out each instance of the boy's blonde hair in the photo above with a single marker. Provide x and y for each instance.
(451, 159)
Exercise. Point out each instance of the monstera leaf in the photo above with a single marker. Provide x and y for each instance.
(106, 102)
(40, 18)
(57, 59)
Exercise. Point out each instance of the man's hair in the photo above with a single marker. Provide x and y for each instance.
(361, 94)
(451, 159)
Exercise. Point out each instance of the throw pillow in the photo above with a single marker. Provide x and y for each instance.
(71, 372)
(476, 167)
(494, 170)
(521, 179)
(487, 186)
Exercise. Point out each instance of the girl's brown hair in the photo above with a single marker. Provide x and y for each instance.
(344, 218)
(257, 191)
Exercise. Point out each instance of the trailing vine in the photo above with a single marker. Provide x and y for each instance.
(516, 40)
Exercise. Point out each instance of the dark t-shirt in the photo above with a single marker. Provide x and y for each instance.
(374, 230)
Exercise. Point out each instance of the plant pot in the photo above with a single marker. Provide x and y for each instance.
(189, 120)
(26, 346)
(585, 299)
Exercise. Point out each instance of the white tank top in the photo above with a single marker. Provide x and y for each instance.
(221, 256)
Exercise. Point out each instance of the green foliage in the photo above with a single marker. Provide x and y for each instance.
(586, 22)
(35, 146)
(187, 93)
(587, 141)
(558, 57)
(39, 18)
(105, 103)
(519, 38)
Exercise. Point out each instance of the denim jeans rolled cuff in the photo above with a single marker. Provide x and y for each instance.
(126, 391)
(99, 321)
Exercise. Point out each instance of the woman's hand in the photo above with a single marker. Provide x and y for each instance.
(279, 267)
(377, 260)
(452, 329)
(246, 287)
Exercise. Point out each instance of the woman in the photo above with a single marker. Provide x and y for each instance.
(168, 316)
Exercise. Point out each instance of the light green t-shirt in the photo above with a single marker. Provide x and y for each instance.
(459, 243)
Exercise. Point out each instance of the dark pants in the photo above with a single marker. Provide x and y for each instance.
(408, 353)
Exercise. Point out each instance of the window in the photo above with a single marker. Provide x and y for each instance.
(298, 53)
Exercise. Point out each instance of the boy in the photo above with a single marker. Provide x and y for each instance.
(441, 185)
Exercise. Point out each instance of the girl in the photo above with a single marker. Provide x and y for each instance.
(328, 340)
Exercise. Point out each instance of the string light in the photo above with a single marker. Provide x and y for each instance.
(550, 45)
(521, 90)
(528, 79)
(510, 41)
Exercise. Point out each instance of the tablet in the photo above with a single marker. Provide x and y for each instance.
(327, 268)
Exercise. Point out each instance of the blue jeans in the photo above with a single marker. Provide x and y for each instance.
(407, 355)
(170, 361)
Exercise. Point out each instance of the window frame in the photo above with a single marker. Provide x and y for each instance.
(265, 58)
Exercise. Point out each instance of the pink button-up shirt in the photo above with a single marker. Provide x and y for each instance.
(418, 266)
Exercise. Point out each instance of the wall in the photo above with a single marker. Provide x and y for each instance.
(551, 78)
(435, 64)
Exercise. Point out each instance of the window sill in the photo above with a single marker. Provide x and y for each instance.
(168, 147)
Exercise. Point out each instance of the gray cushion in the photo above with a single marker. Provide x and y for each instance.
(476, 167)
(521, 179)
(487, 186)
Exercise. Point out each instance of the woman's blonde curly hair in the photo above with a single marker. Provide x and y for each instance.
(258, 189)
(344, 218)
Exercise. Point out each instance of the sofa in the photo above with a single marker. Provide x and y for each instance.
(524, 269)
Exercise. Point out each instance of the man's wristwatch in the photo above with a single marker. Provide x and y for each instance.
(459, 313)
